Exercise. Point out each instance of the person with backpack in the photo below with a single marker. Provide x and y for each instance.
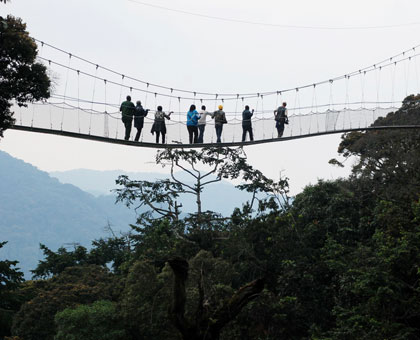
(219, 119)
(159, 126)
(127, 109)
(139, 115)
(280, 116)
(192, 124)
(247, 124)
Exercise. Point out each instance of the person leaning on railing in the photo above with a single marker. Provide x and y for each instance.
(280, 116)
(219, 119)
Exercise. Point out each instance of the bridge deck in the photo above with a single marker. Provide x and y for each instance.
(175, 145)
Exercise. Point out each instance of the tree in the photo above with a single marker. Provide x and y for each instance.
(10, 280)
(74, 286)
(388, 160)
(210, 317)
(205, 166)
(22, 79)
(113, 250)
(98, 321)
(169, 236)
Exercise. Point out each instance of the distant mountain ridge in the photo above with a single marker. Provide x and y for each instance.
(36, 208)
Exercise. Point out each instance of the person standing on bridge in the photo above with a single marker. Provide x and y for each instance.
(280, 116)
(219, 119)
(159, 126)
(192, 124)
(246, 123)
(202, 123)
(127, 109)
(139, 115)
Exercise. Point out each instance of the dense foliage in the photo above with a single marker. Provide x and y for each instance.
(10, 278)
(339, 261)
(22, 78)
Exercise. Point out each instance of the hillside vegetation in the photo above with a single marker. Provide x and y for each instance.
(36, 208)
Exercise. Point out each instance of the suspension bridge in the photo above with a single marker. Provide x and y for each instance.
(87, 97)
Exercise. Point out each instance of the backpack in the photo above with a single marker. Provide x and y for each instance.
(281, 113)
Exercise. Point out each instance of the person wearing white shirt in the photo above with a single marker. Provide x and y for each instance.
(202, 123)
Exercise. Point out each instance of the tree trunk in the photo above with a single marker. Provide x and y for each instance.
(207, 325)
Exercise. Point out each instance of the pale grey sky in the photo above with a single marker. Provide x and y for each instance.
(201, 54)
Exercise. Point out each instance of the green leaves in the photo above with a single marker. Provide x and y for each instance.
(21, 78)
(99, 321)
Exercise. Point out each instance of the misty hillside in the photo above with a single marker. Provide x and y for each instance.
(36, 208)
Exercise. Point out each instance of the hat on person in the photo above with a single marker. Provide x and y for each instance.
(220, 107)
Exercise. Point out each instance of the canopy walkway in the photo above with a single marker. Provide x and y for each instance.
(87, 98)
(201, 145)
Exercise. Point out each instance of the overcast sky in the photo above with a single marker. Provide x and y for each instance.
(202, 54)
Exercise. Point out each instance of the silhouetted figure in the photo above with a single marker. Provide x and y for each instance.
(202, 123)
(192, 124)
(280, 115)
(219, 119)
(139, 115)
(247, 124)
(159, 126)
(127, 109)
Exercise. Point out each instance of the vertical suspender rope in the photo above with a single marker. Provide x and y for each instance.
(156, 100)
(78, 100)
(33, 115)
(65, 91)
(294, 110)
(312, 108)
(119, 103)
(106, 122)
(405, 76)
(256, 108)
(145, 99)
(362, 86)
(50, 109)
(51, 125)
(235, 119)
(263, 118)
(377, 82)
(170, 104)
(394, 70)
(179, 119)
(33, 105)
(298, 107)
(315, 104)
(20, 114)
(408, 76)
(334, 115)
(214, 110)
(378, 88)
(223, 103)
(347, 101)
(93, 98)
(277, 106)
